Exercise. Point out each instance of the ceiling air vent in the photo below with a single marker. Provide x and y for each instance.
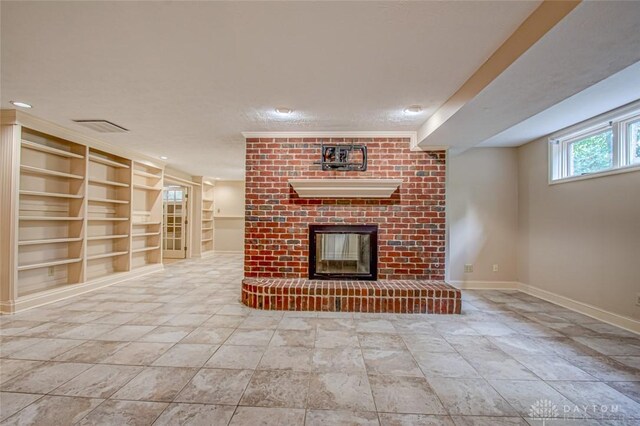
(102, 126)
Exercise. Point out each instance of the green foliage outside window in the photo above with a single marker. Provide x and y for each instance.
(594, 153)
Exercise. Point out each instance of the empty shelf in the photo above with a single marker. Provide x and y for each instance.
(107, 200)
(146, 174)
(148, 166)
(106, 161)
(50, 150)
(107, 237)
(208, 229)
(207, 220)
(49, 263)
(107, 219)
(146, 187)
(140, 250)
(48, 241)
(108, 183)
(146, 234)
(49, 194)
(145, 223)
(104, 255)
(50, 218)
(206, 240)
(47, 172)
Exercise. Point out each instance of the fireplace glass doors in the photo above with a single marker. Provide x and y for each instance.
(348, 252)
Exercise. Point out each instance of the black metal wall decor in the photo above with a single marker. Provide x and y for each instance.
(344, 158)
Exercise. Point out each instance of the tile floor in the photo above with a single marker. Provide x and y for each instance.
(178, 348)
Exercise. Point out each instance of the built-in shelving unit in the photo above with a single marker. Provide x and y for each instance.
(207, 217)
(147, 215)
(76, 214)
(51, 213)
(109, 213)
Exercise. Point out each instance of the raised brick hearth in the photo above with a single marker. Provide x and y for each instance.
(394, 296)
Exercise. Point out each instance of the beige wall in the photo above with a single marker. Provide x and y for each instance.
(228, 198)
(579, 239)
(482, 214)
(228, 205)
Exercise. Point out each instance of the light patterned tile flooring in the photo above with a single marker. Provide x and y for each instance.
(177, 347)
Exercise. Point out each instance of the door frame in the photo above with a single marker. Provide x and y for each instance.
(189, 228)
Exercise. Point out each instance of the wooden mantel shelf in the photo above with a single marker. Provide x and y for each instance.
(345, 188)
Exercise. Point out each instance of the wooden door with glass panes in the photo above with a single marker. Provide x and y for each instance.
(174, 234)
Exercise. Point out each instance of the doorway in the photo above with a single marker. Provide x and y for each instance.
(175, 215)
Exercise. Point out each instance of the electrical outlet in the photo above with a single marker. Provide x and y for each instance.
(50, 271)
(495, 267)
(468, 268)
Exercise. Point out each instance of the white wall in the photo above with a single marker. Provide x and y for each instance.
(482, 215)
(228, 205)
(579, 239)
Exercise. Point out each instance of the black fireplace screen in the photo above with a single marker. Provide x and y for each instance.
(348, 252)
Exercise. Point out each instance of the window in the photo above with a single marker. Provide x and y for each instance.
(591, 154)
(633, 136)
(605, 144)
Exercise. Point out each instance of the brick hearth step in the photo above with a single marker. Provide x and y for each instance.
(392, 296)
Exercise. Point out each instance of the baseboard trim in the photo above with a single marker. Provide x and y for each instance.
(600, 314)
(58, 294)
(485, 285)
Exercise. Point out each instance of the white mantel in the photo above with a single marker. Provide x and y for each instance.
(345, 188)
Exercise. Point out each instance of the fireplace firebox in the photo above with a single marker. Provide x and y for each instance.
(343, 252)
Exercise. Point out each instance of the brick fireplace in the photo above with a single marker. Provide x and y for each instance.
(410, 226)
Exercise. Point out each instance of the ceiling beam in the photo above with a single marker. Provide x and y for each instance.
(543, 19)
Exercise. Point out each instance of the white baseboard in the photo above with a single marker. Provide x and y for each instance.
(65, 292)
(600, 314)
(485, 285)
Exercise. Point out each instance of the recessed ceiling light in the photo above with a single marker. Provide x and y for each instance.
(284, 110)
(162, 157)
(413, 110)
(20, 104)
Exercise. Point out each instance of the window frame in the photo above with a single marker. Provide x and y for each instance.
(618, 120)
(624, 132)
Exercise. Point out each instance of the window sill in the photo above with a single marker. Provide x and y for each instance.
(625, 169)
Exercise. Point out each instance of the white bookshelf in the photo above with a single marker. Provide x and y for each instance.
(207, 224)
(51, 213)
(77, 214)
(146, 241)
(109, 213)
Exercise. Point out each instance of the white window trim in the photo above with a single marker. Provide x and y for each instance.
(617, 120)
(624, 126)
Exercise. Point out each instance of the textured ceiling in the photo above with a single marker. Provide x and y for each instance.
(187, 77)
